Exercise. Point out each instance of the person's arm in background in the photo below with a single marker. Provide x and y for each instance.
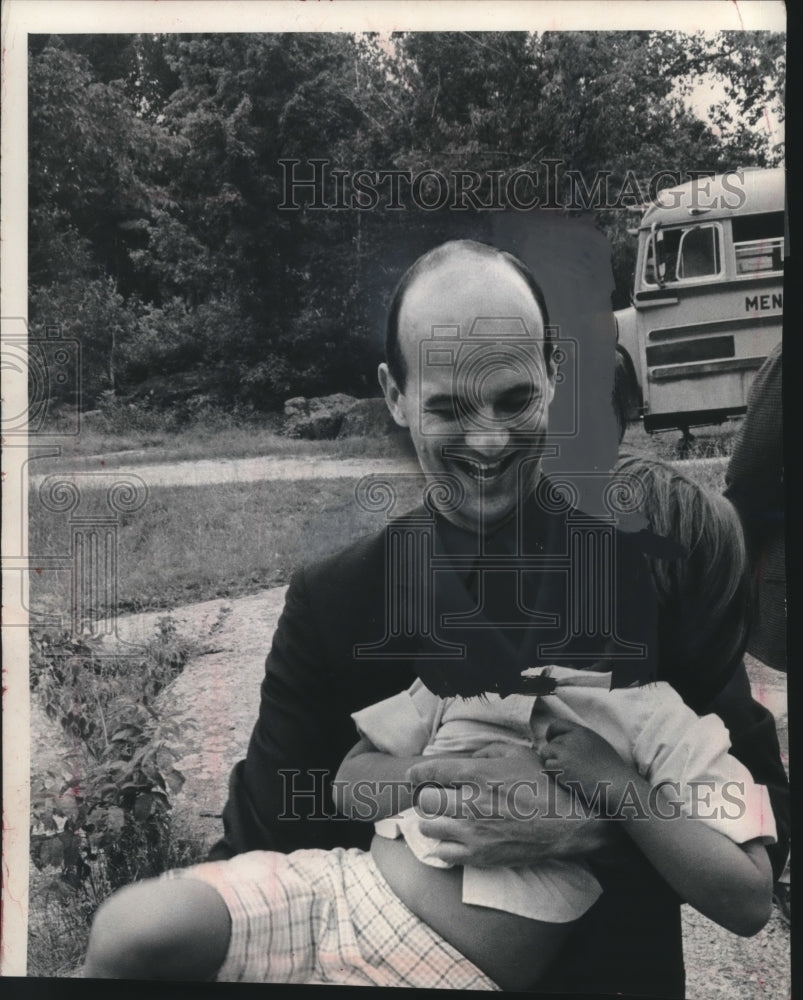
(372, 784)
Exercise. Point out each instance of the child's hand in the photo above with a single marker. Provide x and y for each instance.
(583, 757)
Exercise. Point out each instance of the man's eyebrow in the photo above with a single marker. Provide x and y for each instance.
(520, 393)
(524, 389)
(441, 399)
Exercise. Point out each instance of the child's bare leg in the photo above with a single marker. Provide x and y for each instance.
(160, 929)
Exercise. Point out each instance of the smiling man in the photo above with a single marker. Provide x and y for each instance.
(469, 373)
(494, 573)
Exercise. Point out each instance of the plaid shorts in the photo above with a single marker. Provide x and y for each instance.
(327, 917)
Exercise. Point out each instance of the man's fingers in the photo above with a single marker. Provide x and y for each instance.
(446, 829)
(453, 853)
(443, 771)
(436, 801)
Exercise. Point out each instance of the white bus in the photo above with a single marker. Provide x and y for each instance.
(707, 299)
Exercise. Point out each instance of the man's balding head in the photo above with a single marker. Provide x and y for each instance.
(469, 373)
(470, 257)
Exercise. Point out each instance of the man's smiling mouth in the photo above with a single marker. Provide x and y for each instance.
(484, 472)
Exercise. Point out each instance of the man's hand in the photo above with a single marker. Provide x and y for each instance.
(583, 760)
(501, 811)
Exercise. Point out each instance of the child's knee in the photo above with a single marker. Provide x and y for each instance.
(121, 938)
(159, 929)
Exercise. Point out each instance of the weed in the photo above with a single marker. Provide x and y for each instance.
(704, 457)
(103, 820)
(707, 442)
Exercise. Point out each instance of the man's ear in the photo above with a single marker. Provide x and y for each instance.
(550, 385)
(551, 375)
(394, 397)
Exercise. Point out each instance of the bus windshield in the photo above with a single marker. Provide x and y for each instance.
(683, 254)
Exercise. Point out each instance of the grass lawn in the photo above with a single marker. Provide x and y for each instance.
(192, 544)
(149, 438)
(709, 446)
(715, 441)
(193, 444)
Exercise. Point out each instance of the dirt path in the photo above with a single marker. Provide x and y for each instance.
(202, 472)
(217, 698)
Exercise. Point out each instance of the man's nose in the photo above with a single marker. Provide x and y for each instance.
(488, 443)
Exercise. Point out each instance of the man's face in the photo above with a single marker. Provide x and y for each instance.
(477, 387)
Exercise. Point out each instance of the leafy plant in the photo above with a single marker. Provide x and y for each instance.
(103, 819)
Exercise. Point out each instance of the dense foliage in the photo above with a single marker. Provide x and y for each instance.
(157, 237)
(111, 804)
(102, 817)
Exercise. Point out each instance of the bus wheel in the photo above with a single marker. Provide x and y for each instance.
(686, 442)
(625, 394)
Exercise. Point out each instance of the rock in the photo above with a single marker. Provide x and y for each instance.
(297, 406)
(368, 418)
(316, 418)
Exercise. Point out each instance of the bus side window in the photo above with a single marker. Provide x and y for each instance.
(758, 243)
(699, 253)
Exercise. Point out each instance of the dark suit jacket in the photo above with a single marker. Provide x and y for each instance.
(346, 639)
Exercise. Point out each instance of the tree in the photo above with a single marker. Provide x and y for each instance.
(94, 182)
(156, 182)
